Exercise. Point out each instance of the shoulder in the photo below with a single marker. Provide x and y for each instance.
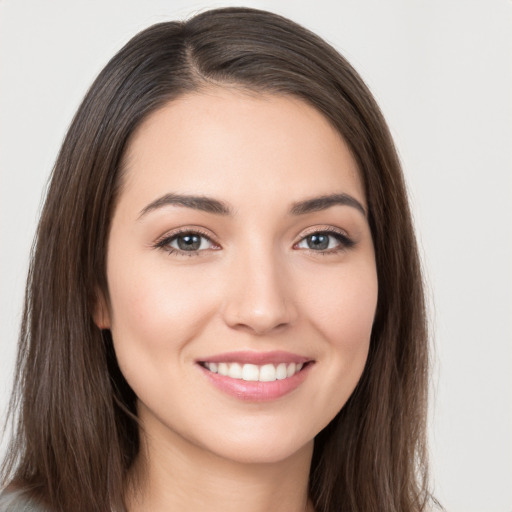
(16, 501)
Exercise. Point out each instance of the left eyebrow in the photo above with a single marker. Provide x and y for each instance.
(205, 204)
(317, 204)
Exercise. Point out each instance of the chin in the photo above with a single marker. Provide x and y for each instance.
(265, 451)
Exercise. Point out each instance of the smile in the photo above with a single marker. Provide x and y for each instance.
(256, 376)
(253, 372)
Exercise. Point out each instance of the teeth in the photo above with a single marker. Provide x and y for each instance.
(250, 372)
(281, 371)
(235, 371)
(253, 373)
(267, 373)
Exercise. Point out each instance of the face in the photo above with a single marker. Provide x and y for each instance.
(241, 274)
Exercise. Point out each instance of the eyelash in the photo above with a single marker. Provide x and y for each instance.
(344, 242)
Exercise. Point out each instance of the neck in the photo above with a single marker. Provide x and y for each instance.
(175, 475)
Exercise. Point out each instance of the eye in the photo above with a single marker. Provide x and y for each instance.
(191, 242)
(327, 241)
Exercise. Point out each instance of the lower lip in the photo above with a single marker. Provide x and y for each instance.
(256, 391)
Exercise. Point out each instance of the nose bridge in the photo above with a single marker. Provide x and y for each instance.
(258, 295)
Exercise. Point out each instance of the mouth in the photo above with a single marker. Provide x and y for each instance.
(253, 372)
(256, 376)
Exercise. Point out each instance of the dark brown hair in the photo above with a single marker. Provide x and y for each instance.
(77, 434)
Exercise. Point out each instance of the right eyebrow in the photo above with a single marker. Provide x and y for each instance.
(316, 204)
(205, 204)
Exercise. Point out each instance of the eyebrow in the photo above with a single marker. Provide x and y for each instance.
(211, 205)
(205, 204)
(317, 204)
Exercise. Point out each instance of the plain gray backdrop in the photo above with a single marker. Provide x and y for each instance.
(441, 71)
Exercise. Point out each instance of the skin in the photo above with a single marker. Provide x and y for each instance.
(257, 286)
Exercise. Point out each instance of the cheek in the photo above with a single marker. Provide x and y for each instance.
(343, 314)
(154, 310)
(343, 307)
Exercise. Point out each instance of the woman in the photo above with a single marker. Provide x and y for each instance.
(224, 306)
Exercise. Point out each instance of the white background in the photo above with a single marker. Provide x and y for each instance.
(442, 72)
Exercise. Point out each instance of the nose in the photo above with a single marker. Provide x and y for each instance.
(260, 298)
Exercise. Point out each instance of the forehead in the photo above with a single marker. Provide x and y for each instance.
(238, 145)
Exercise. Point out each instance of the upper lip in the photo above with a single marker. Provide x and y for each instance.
(257, 358)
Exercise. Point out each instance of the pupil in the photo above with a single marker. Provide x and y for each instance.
(320, 242)
(189, 242)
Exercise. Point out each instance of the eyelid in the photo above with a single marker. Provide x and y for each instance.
(163, 241)
(323, 229)
(345, 241)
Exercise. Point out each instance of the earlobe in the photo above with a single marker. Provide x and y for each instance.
(101, 314)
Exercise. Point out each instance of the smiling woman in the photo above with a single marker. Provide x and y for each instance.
(241, 315)
(224, 307)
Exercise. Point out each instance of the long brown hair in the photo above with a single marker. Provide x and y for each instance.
(77, 432)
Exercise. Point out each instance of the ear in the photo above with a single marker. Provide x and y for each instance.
(101, 314)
